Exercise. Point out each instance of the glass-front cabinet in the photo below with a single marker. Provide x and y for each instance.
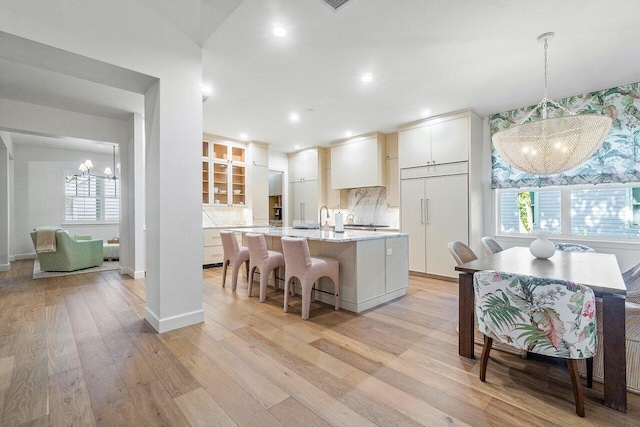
(227, 185)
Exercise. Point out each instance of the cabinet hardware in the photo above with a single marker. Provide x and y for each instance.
(421, 211)
(426, 211)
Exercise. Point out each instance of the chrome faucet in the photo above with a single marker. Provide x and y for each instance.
(327, 209)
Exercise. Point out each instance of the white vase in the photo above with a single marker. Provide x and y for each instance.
(541, 247)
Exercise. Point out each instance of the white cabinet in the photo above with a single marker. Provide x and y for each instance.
(434, 141)
(260, 195)
(212, 249)
(434, 212)
(306, 185)
(259, 189)
(393, 174)
(304, 165)
(305, 200)
(358, 162)
(259, 154)
(441, 202)
(334, 199)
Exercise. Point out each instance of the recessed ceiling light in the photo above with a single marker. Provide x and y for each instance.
(279, 31)
(244, 136)
(294, 117)
(348, 134)
(206, 90)
(426, 113)
(296, 147)
(367, 77)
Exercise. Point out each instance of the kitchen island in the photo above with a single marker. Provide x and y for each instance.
(374, 265)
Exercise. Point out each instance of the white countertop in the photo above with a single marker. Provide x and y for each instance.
(323, 236)
(225, 227)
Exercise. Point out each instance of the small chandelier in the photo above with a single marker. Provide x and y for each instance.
(551, 145)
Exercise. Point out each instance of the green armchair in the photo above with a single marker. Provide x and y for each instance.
(70, 254)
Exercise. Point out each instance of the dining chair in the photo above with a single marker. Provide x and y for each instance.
(234, 255)
(491, 245)
(573, 247)
(461, 252)
(308, 270)
(265, 261)
(632, 346)
(544, 316)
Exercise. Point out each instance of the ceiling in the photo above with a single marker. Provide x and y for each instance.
(432, 55)
(424, 54)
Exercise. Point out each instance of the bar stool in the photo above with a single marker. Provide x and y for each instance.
(233, 254)
(264, 260)
(301, 265)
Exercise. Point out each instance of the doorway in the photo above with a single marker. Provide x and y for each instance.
(276, 198)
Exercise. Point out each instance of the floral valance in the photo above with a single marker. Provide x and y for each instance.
(617, 161)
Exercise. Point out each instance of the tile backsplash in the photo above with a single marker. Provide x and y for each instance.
(217, 216)
(369, 206)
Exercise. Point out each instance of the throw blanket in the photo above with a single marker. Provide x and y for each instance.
(46, 241)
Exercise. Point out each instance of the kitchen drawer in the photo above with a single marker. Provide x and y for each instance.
(212, 255)
(211, 236)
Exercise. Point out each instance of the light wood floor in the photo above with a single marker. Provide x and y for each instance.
(74, 351)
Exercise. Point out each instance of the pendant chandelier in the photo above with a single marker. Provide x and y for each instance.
(551, 145)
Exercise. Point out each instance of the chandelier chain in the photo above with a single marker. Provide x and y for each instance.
(546, 45)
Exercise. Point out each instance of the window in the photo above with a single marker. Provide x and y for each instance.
(91, 199)
(607, 212)
(527, 211)
(604, 212)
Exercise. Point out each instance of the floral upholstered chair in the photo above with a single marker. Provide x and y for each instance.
(573, 247)
(544, 316)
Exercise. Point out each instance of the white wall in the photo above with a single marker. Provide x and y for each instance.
(132, 254)
(5, 207)
(39, 193)
(133, 35)
(53, 121)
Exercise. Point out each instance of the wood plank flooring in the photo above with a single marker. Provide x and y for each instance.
(74, 350)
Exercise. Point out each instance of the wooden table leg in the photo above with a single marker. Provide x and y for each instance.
(465, 315)
(615, 372)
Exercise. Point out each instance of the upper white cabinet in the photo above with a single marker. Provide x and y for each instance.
(393, 174)
(434, 141)
(259, 154)
(334, 199)
(358, 162)
(304, 165)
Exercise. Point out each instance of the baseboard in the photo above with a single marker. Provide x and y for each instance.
(12, 258)
(174, 322)
(140, 274)
(5, 267)
(26, 256)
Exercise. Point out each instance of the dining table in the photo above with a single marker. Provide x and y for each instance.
(599, 271)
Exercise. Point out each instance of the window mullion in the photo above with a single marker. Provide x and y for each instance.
(565, 209)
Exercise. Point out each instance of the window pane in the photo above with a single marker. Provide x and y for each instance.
(606, 212)
(525, 212)
(91, 199)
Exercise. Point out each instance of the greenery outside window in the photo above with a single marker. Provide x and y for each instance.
(598, 212)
